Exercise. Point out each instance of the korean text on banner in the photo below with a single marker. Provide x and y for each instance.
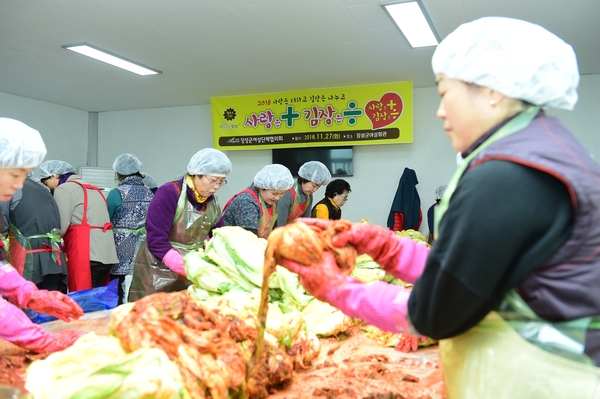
(353, 115)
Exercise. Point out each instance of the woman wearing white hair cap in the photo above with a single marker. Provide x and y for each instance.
(127, 207)
(510, 285)
(84, 224)
(297, 201)
(181, 216)
(22, 149)
(255, 208)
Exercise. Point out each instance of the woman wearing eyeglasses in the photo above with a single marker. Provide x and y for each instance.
(336, 195)
(298, 200)
(180, 217)
(255, 208)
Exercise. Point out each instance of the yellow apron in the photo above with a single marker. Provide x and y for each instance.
(492, 360)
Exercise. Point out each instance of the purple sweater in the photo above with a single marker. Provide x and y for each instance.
(161, 212)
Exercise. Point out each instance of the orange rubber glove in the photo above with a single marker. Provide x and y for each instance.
(53, 303)
(25, 294)
(409, 342)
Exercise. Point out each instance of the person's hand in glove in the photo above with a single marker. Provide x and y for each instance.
(409, 342)
(25, 294)
(380, 304)
(174, 261)
(16, 327)
(318, 279)
(401, 257)
(53, 303)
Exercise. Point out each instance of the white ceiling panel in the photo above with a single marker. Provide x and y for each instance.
(236, 47)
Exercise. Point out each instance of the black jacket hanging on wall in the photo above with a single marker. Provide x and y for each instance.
(406, 207)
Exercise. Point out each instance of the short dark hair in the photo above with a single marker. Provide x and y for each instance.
(121, 177)
(337, 186)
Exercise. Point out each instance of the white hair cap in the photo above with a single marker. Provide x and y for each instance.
(516, 58)
(150, 181)
(209, 161)
(439, 192)
(54, 167)
(274, 177)
(20, 145)
(127, 164)
(315, 172)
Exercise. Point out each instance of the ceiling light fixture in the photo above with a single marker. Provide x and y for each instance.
(412, 21)
(110, 58)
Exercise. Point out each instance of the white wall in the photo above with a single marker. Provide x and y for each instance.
(165, 138)
(584, 120)
(64, 129)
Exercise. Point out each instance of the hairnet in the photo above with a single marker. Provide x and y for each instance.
(209, 161)
(274, 177)
(514, 57)
(439, 192)
(315, 172)
(54, 167)
(149, 181)
(127, 164)
(20, 145)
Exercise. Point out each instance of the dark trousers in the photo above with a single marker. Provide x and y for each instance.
(121, 291)
(100, 273)
(53, 282)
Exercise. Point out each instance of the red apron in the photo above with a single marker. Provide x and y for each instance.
(268, 215)
(77, 246)
(297, 209)
(20, 252)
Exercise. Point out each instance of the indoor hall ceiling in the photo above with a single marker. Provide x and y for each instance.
(211, 48)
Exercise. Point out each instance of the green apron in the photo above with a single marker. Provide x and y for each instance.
(20, 253)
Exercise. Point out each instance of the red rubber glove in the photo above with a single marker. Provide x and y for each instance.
(174, 261)
(16, 327)
(379, 243)
(53, 303)
(401, 257)
(409, 342)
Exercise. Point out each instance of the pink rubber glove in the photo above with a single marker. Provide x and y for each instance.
(409, 262)
(16, 327)
(380, 304)
(174, 261)
(25, 294)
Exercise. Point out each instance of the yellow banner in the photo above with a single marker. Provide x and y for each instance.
(353, 115)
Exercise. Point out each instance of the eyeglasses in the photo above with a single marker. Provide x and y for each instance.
(215, 183)
(344, 198)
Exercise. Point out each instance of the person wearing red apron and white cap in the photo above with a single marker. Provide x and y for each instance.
(298, 200)
(255, 208)
(84, 224)
(34, 234)
(510, 284)
(22, 149)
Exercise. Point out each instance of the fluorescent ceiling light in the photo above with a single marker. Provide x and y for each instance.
(412, 23)
(110, 58)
